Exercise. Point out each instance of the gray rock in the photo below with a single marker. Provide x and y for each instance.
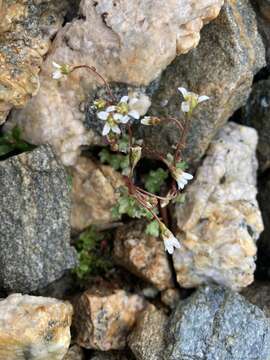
(222, 66)
(217, 324)
(147, 340)
(256, 113)
(263, 11)
(34, 227)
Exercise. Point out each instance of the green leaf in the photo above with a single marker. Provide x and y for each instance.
(117, 161)
(182, 165)
(152, 228)
(5, 149)
(155, 179)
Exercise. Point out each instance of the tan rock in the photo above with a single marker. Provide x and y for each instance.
(128, 41)
(142, 254)
(171, 297)
(33, 327)
(74, 353)
(104, 318)
(147, 340)
(219, 223)
(93, 193)
(25, 32)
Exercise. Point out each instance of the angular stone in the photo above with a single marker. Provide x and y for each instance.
(147, 340)
(93, 193)
(258, 294)
(222, 66)
(26, 30)
(34, 226)
(219, 223)
(263, 12)
(142, 254)
(129, 42)
(104, 318)
(74, 353)
(34, 328)
(215, 323)
(256, 113)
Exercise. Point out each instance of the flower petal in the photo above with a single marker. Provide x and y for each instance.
(57, 66)
(118, 117)
(116, 129)
(124, 119)
(102, 115)
(187, 176)
(146, 120)
(203, 98)
(185, 107)
(168, 246)
(106, 129)
(124, 99)
(183, 91)
(110, 108)
(133, 101)
(134, 114)
(57, 75)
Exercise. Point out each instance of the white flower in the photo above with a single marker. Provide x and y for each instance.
(191, 100)
(111, 121)
(124, 109)
(57, 73)
(60, 70)
(181, 177)
(170, 241)
(150, 120)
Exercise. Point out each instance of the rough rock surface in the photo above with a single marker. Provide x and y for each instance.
(142, 254)
(216, 323)
(256, 113)
(219, 223)
(34, 328)
(222, 66)
(98, 355)
(74, 353)
(258, 294)
(263, 11)
(93, 193)
(104, 317)
(34, 226)
(127, 41)
(147, 340)
(25, 31)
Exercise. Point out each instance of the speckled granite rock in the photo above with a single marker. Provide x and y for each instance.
(104, 318)
(74, 353)
(142, 254)
(263, 12)
(93, 193)
(222, 66)
(147, 340)
(25, 31)
(127, 41)
(34, 328)
(220, 221)
(215, 323)
(258, 294)
(34, 226)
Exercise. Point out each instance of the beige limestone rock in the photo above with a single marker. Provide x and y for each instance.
(93, 193)
(33, 327)
(126, 41)
(219, 223)
(142, 254)
(104, 318)
(147, 340)
(25, 31)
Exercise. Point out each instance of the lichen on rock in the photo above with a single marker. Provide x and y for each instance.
(219, 223)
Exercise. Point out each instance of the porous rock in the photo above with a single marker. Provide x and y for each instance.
(34, 328)
(104, 317)
(222, 67)
(26, 30)
(34, 227)
(93, 193)
(220, 221)
(147, 340)
(216, 323)
(128, 41)
(142, 254)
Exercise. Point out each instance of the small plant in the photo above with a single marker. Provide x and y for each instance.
(92, 260)
(118, 116)
(12, 141)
